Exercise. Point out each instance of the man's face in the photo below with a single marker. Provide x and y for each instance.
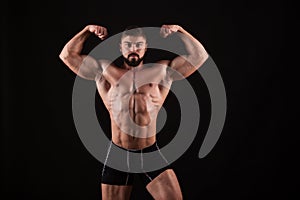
(133, 49)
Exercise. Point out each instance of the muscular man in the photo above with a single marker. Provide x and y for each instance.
(132, 105)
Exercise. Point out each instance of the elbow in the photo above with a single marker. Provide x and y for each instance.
(65, 53)
(202, 58)
(205, 56)
(198, 60)
(63, 56)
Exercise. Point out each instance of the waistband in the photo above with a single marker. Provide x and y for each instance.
(153, 147)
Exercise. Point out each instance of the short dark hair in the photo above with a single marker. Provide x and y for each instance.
(133, 30)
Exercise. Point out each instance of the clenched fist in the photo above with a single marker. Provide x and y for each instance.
(167, 30)
(99, 31)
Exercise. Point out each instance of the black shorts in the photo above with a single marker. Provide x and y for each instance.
(116, 177)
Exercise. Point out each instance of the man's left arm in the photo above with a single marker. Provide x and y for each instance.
(196, 53)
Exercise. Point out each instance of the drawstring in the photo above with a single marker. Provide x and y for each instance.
(128, 168)
(162, 155)
(142, 165)
(108, 151)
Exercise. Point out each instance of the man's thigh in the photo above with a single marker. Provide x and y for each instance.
(115, 192)
(165, 186)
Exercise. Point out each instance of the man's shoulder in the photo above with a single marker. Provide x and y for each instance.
(163, 62)
(108, 63)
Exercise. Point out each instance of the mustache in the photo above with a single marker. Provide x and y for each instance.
(133, 54)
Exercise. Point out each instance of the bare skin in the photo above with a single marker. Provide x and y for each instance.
(133, 106)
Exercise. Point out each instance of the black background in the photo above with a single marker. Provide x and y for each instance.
(42, 156)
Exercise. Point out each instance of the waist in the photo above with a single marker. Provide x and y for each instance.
(130, 138)
(150, 148)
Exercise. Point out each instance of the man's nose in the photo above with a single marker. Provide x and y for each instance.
(133, 48)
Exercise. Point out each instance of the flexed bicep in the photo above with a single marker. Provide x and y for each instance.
(83, 65)
(195, 55)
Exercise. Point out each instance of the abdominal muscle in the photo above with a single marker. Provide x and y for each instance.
(133, 120)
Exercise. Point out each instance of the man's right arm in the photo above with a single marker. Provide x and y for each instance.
(83, 65)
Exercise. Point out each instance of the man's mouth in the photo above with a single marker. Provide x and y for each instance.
(133, 56)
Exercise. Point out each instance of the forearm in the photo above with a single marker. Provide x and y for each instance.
(75, 45)
(196, 53)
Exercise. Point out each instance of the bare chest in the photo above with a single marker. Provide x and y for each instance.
(141, 89)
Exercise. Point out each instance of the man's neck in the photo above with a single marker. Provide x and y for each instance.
(128, 67)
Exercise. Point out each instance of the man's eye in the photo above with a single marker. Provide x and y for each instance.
(139, 45)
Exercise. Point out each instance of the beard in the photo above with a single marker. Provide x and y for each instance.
(133, 62)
